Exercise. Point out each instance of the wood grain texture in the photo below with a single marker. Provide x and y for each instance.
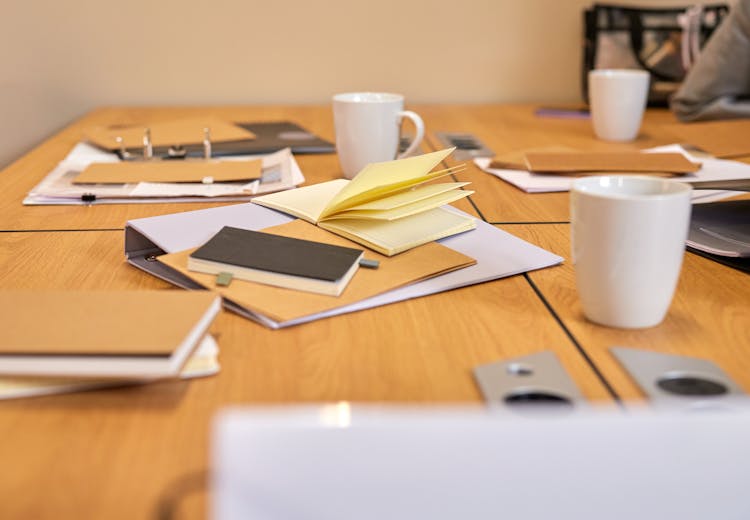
(120, 453)
(21, 176)
(708, 318)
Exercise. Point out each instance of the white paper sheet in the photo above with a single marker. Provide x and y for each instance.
(344, 461)
(202, 363)
(712, 170)
(280, 171)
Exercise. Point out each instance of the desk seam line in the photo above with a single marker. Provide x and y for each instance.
(455, 179)
(575, 342)
(57, 230)
(529, 222)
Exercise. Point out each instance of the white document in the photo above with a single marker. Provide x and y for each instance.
(191, 189)
(202, 363)
(498, 254)
(712, 170)
(280, 172)
(404, 463)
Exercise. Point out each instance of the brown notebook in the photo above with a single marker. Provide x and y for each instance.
(620, 162)
(132, 172)
(173, 132)
(138, 334)
(516, 159)
(719, 138)
(281, 305)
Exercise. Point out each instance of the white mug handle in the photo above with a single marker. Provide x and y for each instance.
(419, 125)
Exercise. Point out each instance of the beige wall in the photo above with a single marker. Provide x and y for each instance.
(62, 58)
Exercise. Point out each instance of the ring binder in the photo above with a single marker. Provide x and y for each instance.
(177, 151)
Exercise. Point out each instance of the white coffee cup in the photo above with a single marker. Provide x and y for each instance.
(628, 239)
(617, 99)
(368, 127)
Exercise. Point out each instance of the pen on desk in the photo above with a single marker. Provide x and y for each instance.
(88, 197)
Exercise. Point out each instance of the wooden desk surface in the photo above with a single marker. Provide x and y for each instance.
(115, 453)
(505, 128)
(708, 318)
(21, 176)
(120, 453)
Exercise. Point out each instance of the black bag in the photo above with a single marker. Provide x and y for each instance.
(662, 41)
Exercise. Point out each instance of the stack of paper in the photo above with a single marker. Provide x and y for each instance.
(710, 170)
(108, 180)
(497, 254)
(203, 362)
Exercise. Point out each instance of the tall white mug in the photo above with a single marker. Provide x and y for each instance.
(628, 235)
(368, 127)
(617, 99)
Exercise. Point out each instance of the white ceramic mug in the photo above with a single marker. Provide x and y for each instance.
(368, 126)
(617, 99)
(628, 236)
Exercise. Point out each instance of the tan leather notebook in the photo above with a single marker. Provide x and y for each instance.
(173, 132)
(101, 333)
(620, 162)
(420, 263)
(719, 138)
(516, 159)
(132, 172)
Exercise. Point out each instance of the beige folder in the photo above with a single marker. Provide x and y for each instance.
(417, 264)
(620, 162)
(189, 170)
(173, 132)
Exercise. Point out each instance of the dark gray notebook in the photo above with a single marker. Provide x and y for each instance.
(233, 248)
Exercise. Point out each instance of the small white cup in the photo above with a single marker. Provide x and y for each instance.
(617, 99)
(368, 127)
(628, 236)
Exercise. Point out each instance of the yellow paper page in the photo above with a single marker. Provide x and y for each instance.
(394, 236)
(380, 178)
(406, 210)
(306, 203)
(384, 191)
(409, 196)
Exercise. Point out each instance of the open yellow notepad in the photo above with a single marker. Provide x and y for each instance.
(387, 207)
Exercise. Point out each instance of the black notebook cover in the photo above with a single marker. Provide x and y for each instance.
(277, 254)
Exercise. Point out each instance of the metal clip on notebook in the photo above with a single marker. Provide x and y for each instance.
(176, 151)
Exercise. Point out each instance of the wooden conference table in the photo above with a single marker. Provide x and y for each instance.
(142, 451)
